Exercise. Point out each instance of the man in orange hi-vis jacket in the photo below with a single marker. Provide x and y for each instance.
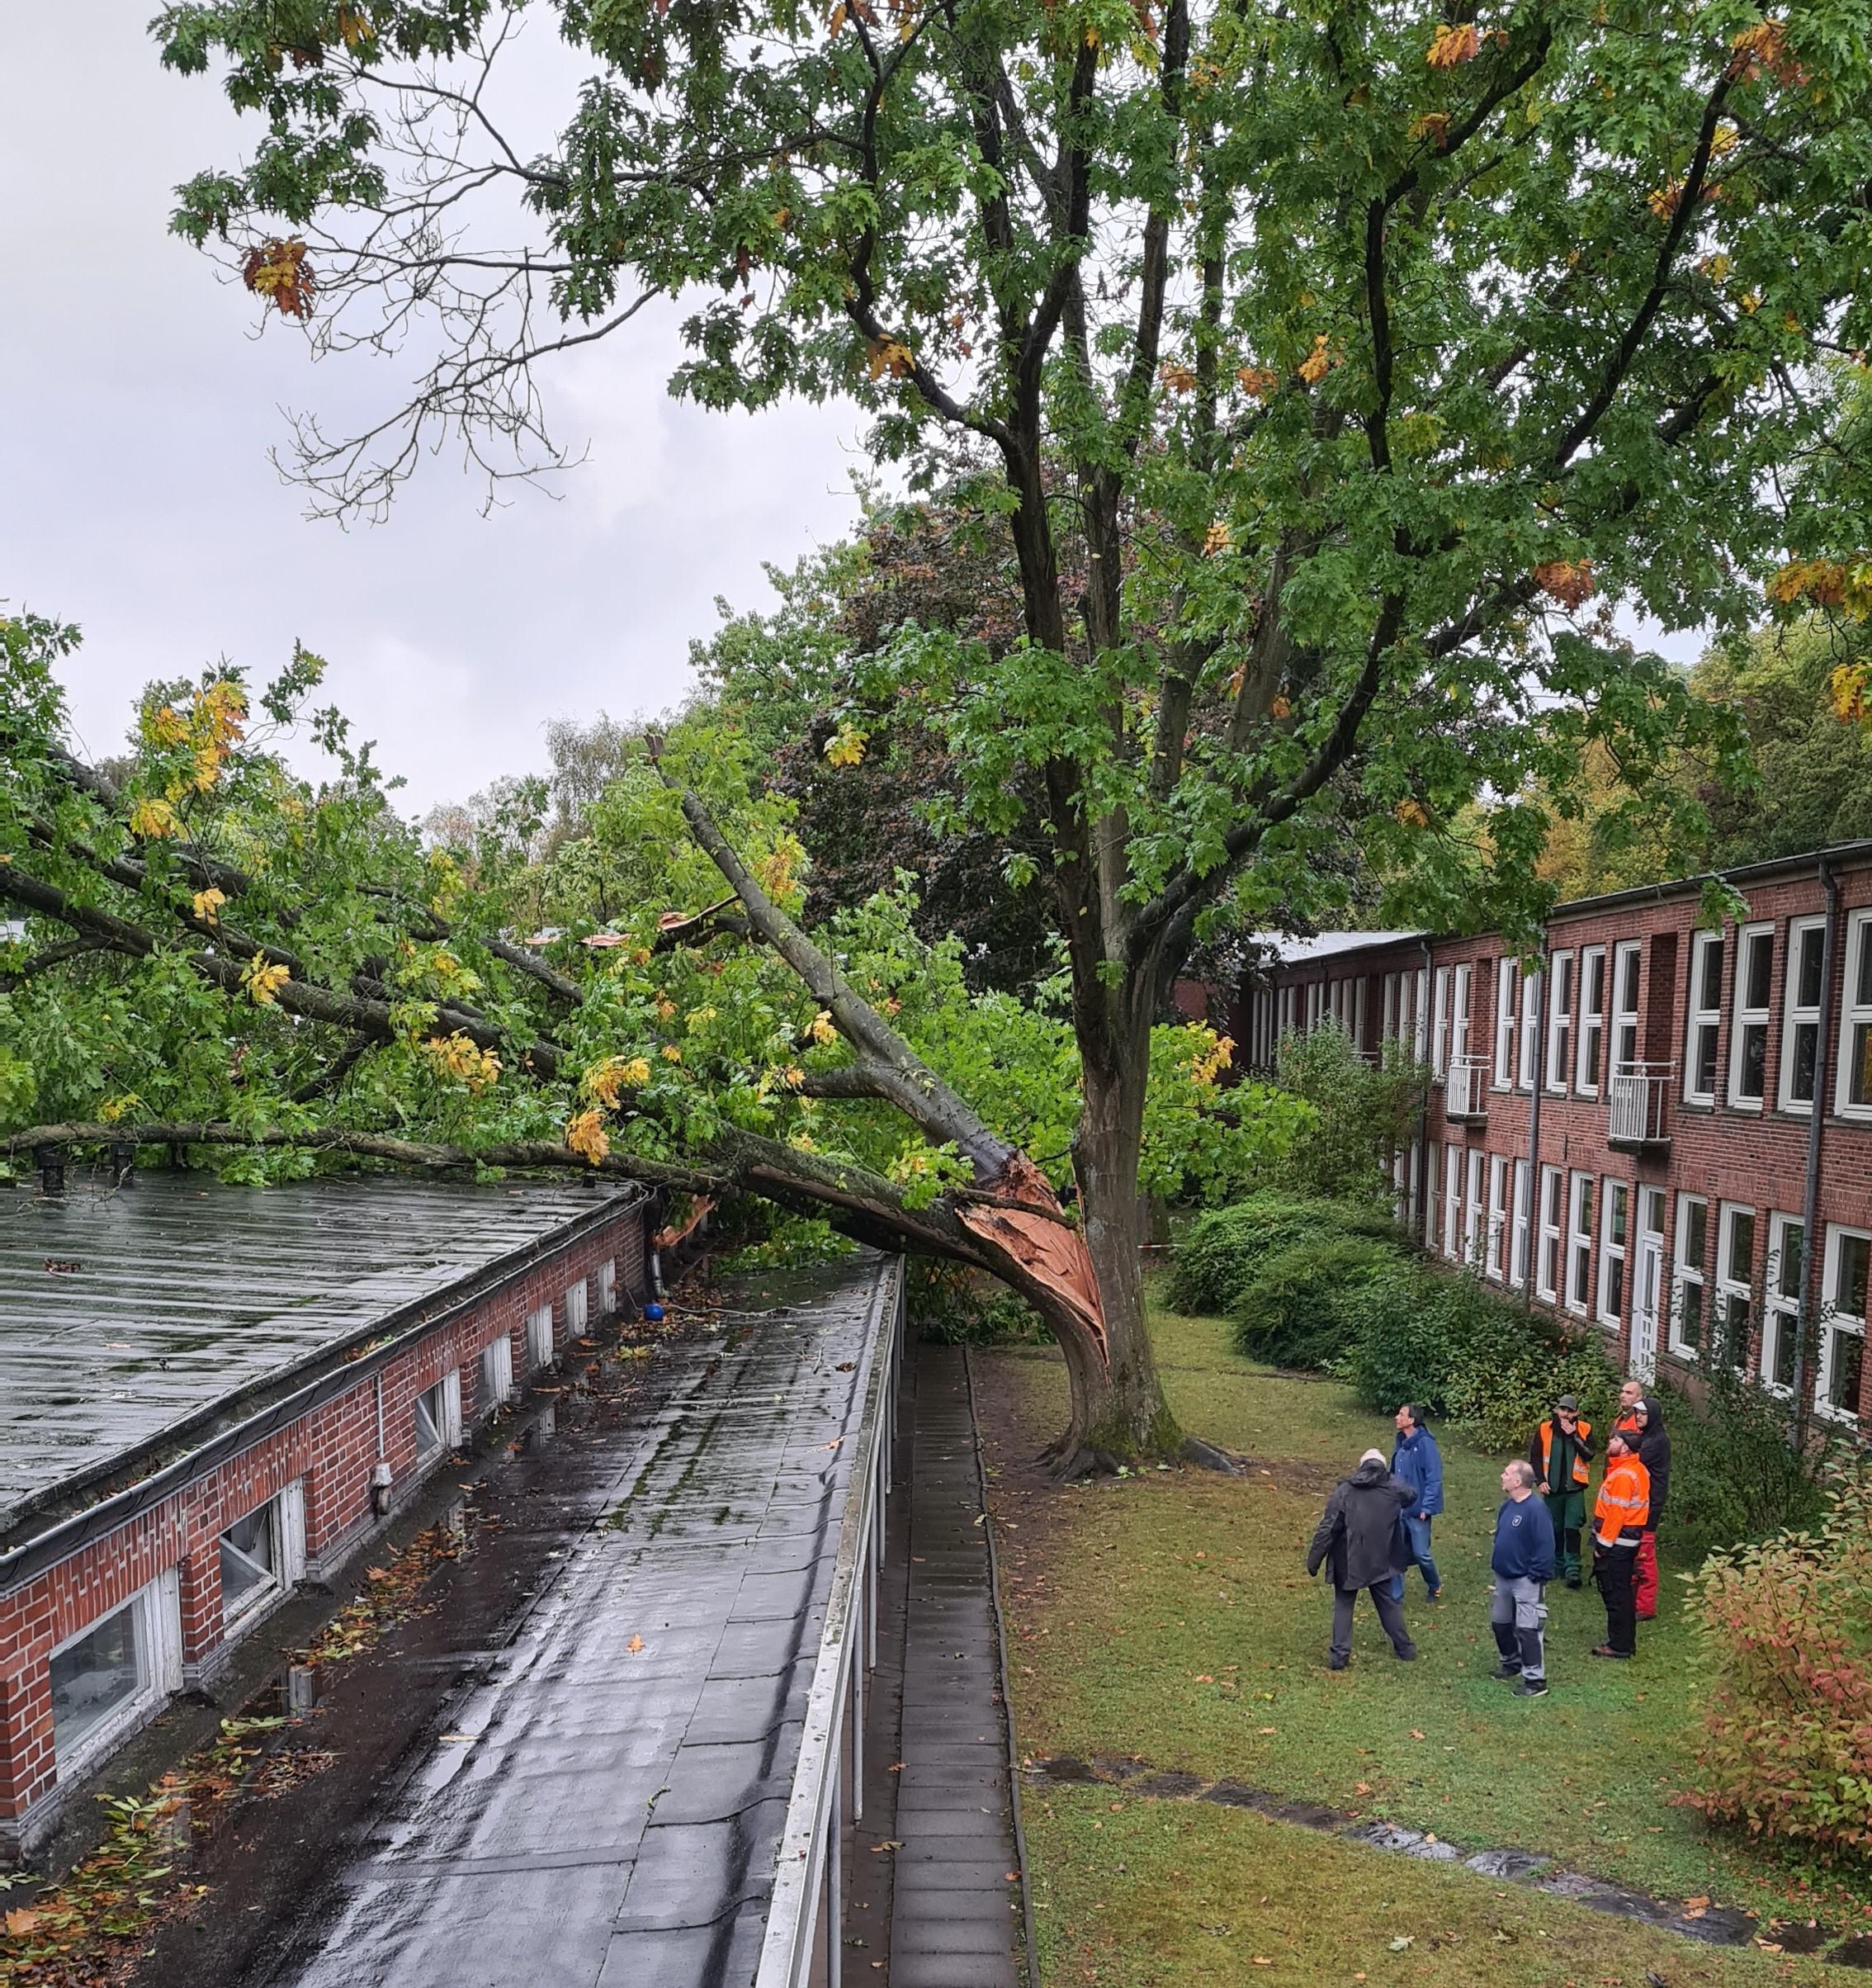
(1619, 1520)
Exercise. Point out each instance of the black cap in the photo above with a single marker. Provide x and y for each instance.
(1569, 1403)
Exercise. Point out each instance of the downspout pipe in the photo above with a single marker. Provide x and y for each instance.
(1534, 990)
(1813, 1261)
(1421, 1199)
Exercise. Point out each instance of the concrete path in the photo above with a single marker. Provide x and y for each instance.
(602, 1804)
(956, 1905)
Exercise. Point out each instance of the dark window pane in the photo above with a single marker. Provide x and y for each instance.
(1690, 1316)
(1806, 1053)
(1807, 990)
(1742, 1247)
(1595, 986)
(1761, 959)
(1749, 1078)
(1705, 1059)
(1615, 1286)
(1709, 985)
(1628, 982)
(1849, 1286)
(1849, 1360)
(1787, 1269)
(1781, 1351)
(1696, 1231)
(1859, 1064)
(1863, 982)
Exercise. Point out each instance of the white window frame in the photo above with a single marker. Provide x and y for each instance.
(1493, 1264)
(1440, 1025)
(1729, 1288)
(287, 1517)
(1835, 1324)
(159, 1673)
(1559, 1021)
(1855, 1013)
(1533, 987)
(578, 1308)
(1746, 1018)
(1452, 1199)
(1685, 1274)
(1780, 1308)
(1507, 979)
(441, 1404)
(1579, 1243)
(1797, 1013)
(1625, 1039)
(1699, 1017)
(1520, 1248)
(1460, 987)
(1421, 1036)
(606, 1275)
(1433, 1180)
(1549, 1265)
(494, 1376)
(540, 1347)
(1473, 1208)
(1590, 1062)
(1615, 1193)
(1388, 1011)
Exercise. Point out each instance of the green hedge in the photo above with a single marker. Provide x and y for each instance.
(1300, 1304)
(1220, 1250)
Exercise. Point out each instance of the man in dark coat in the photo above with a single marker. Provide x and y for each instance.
(1360, 1544)
(1654, 1453)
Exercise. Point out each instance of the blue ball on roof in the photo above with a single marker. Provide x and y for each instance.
(653, 1311)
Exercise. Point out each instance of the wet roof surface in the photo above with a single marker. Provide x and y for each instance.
(181, 1292)
(602, 1804)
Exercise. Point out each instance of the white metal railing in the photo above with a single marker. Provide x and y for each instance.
(1636, 1095)
(809, 1875)
(1466, 1090)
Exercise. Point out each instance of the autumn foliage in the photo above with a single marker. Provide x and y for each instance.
(1786, 1626)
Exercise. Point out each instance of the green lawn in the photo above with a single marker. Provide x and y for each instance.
(1169, 1616)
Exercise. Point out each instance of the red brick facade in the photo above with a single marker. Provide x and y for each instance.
(1666, 1194)
(329, 1451)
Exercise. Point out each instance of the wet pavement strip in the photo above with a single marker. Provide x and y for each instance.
(1710, 1925)
(574, 1767)
(956, 1897)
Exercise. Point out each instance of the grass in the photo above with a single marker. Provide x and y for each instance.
(1167, 1895)
(1169, 1616)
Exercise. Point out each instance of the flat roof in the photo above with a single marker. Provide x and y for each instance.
(1289, 952)
(131, 1319)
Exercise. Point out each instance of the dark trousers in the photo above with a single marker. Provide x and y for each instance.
(1390, 1616)
(1567, 1510)
(1613, 1567)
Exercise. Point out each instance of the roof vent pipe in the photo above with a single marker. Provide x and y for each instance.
(50, 1161)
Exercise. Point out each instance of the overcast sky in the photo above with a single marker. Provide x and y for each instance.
(137, 498)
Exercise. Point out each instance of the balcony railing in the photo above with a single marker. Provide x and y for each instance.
(1465, 1094)
(1637, 1096)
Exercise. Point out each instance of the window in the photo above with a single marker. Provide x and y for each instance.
(1452, 1199)
(539, 1337)
(1440, 1025)
(1614, 1216)
(1579, 1244)
(607, 1287)
(1800, 1022)
(105, 1678)
(1842, 1323)
(1592, 1020)
(1530, 1030)
(1748, 1039)
(1546, 1280)
(251, 1560)
(439, 1417)
(1507, 976)
(494, 1380)
(1780, 1321)
(1855, 1019)
(1421, 1037)
(1433, 1175)
(1705, 1017)
(1473, 1209)
(1459, 1010)
(1735, 1282)
(1559, 1020)
(1497, 1214)
(578, 1308)
(1625, 962)
(1524, 1217)
(1389, 1011)
(1693, 1248)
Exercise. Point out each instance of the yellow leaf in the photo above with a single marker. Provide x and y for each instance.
(1453, 45)
(208, 905)
(892, 356)
(1313, 367)
(671, 1053)
(635, 1646)
(587, 1137)
(152, 819)
(822, 1029)
(22, 1921)
(263, 979)
(846, 746)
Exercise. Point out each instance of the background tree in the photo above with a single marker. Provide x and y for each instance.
(1410, 331)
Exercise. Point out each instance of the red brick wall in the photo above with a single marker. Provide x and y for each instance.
(332, 1448)
(1755, 1158)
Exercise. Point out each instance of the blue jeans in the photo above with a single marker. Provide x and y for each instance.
(1416, 1547)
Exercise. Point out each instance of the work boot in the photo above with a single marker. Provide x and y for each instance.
(1531, 1688)
(1407, 1654)
(1505, 1669)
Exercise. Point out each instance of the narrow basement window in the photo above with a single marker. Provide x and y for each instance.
(496, 1379)
(96, 1676)
(439, 1417)
(252, 1561)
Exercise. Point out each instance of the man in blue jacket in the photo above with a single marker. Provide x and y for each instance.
(1418, 1461)
(1522, 1562)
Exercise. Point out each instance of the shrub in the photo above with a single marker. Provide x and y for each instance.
(1404, 1338)
(1785, 1747)
(1734, 1474)
(1363, 1113)
(1220, 1250)
(1298, 1306)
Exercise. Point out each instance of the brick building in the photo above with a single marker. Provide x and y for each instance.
(207, 1393)
(1664, 1130)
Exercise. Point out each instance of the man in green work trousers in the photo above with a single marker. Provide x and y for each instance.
(1561, 1453)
